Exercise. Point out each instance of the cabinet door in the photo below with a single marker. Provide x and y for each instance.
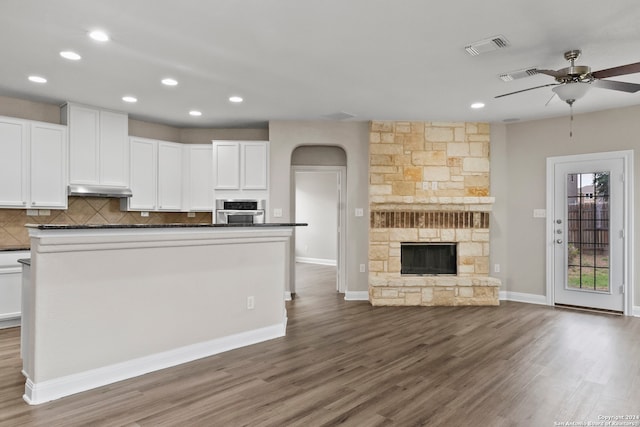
(199, 178)
(48, 188)
(254, 165)
(14, 167)
(226, 165)
(143, 156)
(84, 126)
(114, 149)
(169, 176)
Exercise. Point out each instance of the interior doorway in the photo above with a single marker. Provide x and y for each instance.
(319, 202)
(589, 221)
(318, 197)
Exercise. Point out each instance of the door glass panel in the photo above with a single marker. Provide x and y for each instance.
(588, 231)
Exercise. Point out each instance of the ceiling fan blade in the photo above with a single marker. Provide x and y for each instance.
(621, 86)
(524, 90)
(617, 71)
(552, 73)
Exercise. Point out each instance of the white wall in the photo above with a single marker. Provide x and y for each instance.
(353, 138)
(521, 174)
(317, 205)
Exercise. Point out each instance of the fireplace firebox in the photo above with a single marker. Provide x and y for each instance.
(428, 258)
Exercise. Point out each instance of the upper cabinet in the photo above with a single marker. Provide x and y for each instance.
(198, 178)
(33, 164)
(240, 165)
(156, 175)
(98, 146)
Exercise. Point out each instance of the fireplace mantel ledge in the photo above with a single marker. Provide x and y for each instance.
(411, 203)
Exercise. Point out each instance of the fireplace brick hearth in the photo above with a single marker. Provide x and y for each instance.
(429, 182)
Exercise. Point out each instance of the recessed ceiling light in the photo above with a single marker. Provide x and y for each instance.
(477, 105)
(99, 36)
(130, 99)
(67, 54)
(37, 79)
(195, 113)
(169, 82)
(235, 99)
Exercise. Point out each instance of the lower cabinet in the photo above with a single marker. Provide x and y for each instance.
(10, 287)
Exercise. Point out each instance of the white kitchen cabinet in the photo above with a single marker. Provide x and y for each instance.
(33, 164)
(156, 175)
(198, 178)
(240, 165)
(169, 176)
(144, 174)
(14, 170)
(98, 146)
(226, 165)
(48, 166)
(10, 287)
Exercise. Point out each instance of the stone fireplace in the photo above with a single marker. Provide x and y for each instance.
(429, 183)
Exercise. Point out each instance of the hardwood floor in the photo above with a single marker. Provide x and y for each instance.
(347, 363)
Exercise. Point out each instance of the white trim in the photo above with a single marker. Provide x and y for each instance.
(636, 310)
(628, 190)
(10, 322)
(356, 296)
(45, 391)
(287, 295)
(523, 297)
(318, 261)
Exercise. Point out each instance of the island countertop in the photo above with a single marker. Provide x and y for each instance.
(173, 225)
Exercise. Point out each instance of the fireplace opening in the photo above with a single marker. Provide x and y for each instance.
(428, 258)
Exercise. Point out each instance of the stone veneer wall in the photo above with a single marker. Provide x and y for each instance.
(429, 182)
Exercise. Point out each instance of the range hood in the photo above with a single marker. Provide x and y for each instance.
(98, 191)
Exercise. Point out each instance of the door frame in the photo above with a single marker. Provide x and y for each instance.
(341, 171)
(628, 274)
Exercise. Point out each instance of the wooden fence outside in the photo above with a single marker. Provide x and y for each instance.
(588, 226)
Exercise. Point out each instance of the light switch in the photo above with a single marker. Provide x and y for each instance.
(359, 212)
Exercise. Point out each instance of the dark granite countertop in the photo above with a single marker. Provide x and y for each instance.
(16, 249)
(130, 226)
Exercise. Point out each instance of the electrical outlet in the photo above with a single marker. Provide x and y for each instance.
(496, 268)
(277, 213)
(191, 214)
(32, 212)
(144, 213)
(44, 212)
(251, 303)
(362, 268)
(359, 212)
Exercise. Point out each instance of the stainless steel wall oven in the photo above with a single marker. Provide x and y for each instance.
(240, 211)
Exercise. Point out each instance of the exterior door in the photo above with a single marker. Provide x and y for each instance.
(589, 233)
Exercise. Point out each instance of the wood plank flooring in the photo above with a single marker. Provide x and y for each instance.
(347, 363)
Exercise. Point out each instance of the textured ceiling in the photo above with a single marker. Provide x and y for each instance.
(312, 60)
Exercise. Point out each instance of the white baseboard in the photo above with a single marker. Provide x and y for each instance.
(636, 311)
(319, 261)
(287, 296)
(523, 297)
(10, 322)
(356, 296)
(45, 391)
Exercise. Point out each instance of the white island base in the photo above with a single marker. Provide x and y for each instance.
(106, 304)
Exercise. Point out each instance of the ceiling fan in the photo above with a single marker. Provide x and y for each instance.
(574, 81)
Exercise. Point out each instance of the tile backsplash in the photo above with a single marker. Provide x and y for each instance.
(84, 210)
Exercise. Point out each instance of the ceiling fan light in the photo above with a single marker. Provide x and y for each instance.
(571, 91)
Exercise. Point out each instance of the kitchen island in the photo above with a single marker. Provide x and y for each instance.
(109, 302)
